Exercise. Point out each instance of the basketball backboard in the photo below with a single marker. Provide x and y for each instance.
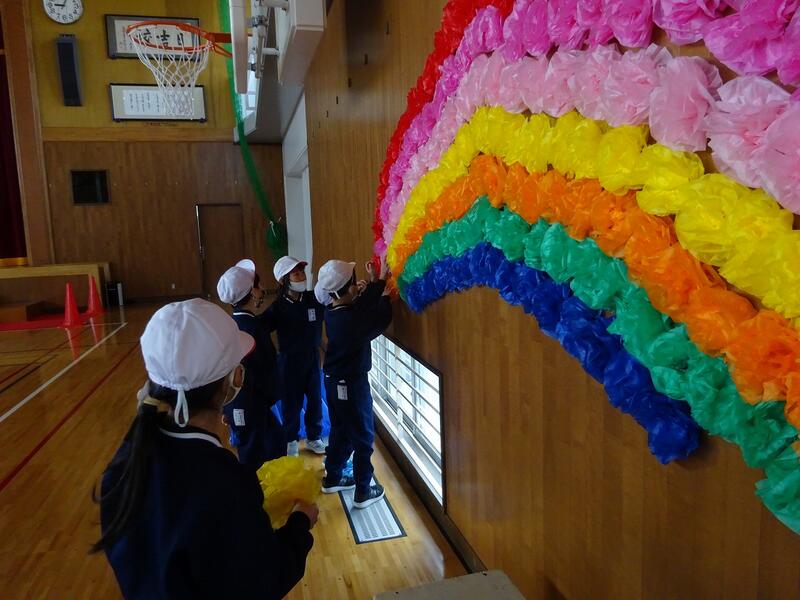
(295, 25)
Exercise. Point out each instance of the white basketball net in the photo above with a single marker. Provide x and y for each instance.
(174, 65)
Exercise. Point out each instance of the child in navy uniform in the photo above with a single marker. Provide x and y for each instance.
(298, 317)
(180, 518)
(256, 432)
(355, 317)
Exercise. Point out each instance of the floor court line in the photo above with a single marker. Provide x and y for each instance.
(21, 368)
(28, 457)
(24, 375)
(47, 383)
(85, 327)
(46, 352)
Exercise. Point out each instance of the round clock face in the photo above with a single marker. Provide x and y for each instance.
(63, 11)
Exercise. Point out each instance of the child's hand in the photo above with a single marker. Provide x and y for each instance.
(362, 285)
(309, 510)
(370, 271)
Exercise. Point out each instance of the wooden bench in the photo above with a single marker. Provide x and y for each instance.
(491, 585)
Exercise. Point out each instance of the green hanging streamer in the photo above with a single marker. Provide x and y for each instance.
(276, 236)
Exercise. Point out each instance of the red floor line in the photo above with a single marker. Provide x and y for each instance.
(15, 471)
(47, 351)
(22, 368)
(21, 378)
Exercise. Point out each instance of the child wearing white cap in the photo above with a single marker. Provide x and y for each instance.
(256, 431)
(355, 317)
(297, 317)
(180, 517)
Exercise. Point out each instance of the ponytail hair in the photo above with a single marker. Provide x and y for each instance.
(127, 493)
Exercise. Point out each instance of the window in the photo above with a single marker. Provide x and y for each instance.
(250, 97)
(89, 187)
(407, 401)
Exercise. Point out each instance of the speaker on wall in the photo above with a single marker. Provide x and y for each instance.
(67, 52)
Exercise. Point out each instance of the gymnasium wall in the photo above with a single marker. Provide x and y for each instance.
(97, 70)
(544, 478)
(157, 171)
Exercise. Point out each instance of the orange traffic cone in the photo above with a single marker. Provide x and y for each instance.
(72, 317)
(95, 304)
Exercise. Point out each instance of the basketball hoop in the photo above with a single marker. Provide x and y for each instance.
(175, 58)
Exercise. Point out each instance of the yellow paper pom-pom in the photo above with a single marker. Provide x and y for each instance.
(285, 481)
(618, 157)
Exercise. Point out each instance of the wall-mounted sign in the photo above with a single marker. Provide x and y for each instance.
(120, 46)
(139, 102)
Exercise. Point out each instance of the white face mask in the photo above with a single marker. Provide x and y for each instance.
(232, 385)
(297, 286)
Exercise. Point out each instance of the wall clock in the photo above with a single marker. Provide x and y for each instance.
(63, 11)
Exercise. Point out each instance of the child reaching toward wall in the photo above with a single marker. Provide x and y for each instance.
(257, 433)
(356, 316)
(297, 316)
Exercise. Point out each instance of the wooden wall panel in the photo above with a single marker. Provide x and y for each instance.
(148, 231)
(544, 478)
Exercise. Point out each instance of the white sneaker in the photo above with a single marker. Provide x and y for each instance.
(316, 446)
(293, 449)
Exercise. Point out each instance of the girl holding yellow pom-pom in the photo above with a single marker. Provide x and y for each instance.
(180, 517)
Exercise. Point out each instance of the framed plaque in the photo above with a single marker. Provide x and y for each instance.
(142, 102)
(120, 46)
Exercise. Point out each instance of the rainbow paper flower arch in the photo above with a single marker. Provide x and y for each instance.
(537, 158)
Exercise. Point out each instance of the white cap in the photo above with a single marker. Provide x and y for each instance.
(187, 345)
(321, 295)
(334, 274)
(286, 265)
(237, 281)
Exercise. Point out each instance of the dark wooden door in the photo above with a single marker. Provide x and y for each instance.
(221, 235)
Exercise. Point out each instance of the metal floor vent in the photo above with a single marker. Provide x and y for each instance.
(374, 523)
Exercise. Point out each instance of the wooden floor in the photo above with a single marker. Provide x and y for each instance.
(65, 403)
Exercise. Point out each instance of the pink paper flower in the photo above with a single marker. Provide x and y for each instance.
(750, 41)
(469, 94)
(536, 39)
(510, 96)
(778, 159)
(683, 20)
(557, 99)
(630, 20)
(513, 47)
(586, 83)
(590, 16)
(562, 24)
(625, 96)
(678, 106)
(483, 34)
(490, 82)
(449, 77)
(788, 61)
(531, 79)
(737, 122)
